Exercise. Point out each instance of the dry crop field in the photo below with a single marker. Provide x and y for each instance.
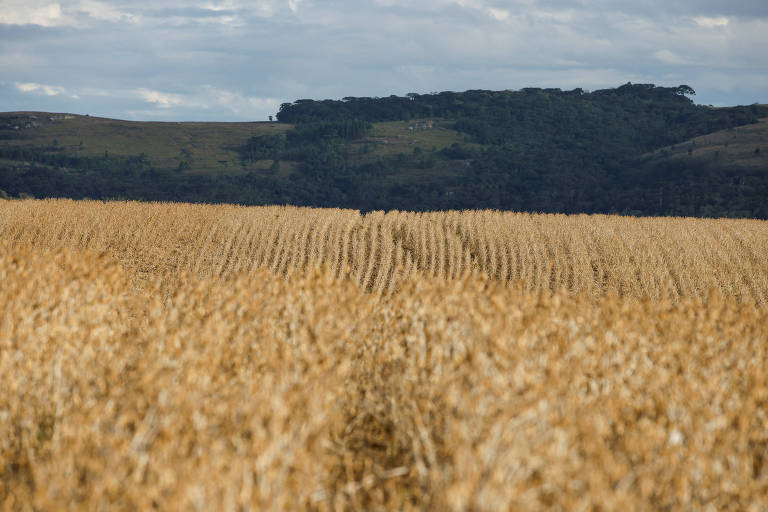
(180, 357)
(592, 255)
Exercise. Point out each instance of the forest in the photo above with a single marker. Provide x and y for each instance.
(530, 150)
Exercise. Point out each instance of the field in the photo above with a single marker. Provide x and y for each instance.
(207, 147)
(168, 356)
(742, 147)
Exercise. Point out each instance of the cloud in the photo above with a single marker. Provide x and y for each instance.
(707, 22)
(104, 12)
(224, 20)
(32, 12)
(205, 98)
(498, 14)
(261, 8)
(238, 102)
(48, 90)
(64, 13)
(293, 5)
(669, 57)
(161, 99)
(498, 11)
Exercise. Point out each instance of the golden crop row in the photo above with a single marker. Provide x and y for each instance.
(266, 393)
(594, 255)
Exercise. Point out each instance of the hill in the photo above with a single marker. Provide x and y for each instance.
(741, 147)
(211, 148)
(729, 167)
(542, 150)
(195, 147)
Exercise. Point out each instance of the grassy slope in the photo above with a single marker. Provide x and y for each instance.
(390, 139)
(211, 146)
(734, 148)
(208, 147)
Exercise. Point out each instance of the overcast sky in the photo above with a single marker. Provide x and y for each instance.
(238, 60)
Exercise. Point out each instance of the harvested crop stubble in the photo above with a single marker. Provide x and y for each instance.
(309, 393)
(593, 255)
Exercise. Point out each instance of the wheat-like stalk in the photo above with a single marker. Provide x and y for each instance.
(265, 392)
(645, 257)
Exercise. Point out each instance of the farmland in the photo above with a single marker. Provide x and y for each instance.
(176, 356)
(207, 147)
(593, 255)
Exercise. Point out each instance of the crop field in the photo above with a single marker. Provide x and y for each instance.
(633, 257)
(197, 357)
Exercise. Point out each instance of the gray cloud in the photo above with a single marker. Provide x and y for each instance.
(237, 59)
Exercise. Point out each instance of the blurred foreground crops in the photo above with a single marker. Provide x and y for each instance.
(243, 388)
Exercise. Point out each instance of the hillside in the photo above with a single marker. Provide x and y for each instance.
(741, 147)
(535, 150)
(729, 167)
(196, 147)
(191, 147)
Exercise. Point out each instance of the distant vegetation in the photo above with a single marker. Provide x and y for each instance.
(629, 150)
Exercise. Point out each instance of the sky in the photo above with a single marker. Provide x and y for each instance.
(233, 60)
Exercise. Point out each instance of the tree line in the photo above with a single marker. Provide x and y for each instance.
(538, 150)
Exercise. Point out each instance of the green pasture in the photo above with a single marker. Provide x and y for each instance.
(743, 146)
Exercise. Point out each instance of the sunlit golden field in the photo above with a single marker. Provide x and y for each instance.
(590, 255)
(182, 357)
